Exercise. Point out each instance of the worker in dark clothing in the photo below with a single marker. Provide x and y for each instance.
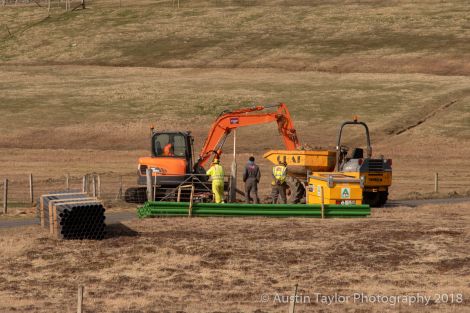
(251, 177)
(279, 185)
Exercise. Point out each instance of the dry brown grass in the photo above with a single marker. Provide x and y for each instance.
(335, 36)
(226, 264)
(76, 119)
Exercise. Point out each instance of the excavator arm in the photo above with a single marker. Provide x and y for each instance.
(229, 120)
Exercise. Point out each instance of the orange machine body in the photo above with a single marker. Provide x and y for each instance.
(163, 165)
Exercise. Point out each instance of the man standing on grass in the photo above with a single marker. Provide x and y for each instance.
(279, 185)
(216, 172)
(251, 177)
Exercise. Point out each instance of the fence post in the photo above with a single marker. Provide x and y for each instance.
(84, 187)
(436, 182)
(31, 188)
(178, 197)
(99, 185)
(80, 299)
(293, 300)
(149, 185)
(5, 196)
(154, 192)
(67, 181)
(119, 195)
(191, 199)
(322, 203)
(93, 184)
(233, 171)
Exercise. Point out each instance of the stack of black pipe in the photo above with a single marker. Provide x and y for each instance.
(83, 218)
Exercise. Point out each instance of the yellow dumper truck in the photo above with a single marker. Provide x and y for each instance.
(337, 173)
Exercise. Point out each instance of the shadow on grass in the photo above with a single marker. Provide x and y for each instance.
(119, 230)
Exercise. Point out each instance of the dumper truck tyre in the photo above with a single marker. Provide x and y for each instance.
(371, 198)
(136, 195)
(295, 190)
(383, 198)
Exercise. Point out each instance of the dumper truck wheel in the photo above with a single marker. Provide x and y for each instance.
(383, 198)
(371, 198)
(135, 195)
(295, 190)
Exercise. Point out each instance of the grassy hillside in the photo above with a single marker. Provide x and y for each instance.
(335, 36)
(78, 90)
(91, 107)
(96, 119)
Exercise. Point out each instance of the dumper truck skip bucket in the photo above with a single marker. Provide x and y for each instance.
(299, 162)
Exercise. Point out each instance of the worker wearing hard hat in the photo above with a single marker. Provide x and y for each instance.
(216, 172)
(251, 177)
(279, 185)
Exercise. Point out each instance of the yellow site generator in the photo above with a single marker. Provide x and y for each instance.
(334, 188)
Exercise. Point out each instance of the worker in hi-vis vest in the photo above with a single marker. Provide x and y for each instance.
(279, 185)
(216, 172)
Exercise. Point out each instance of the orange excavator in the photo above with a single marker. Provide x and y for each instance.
(172, 152)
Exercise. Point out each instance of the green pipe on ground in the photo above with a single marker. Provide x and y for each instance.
(247, 215)
(244, 213)
(263, 209)
(250, 206)
(258, 209)
(151, 209)
(196, 212)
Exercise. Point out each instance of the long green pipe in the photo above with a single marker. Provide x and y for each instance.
(286, 214)
(250, 206)
(243, 209)
(260, 209)
(202, 212)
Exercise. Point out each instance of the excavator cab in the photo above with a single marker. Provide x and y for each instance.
(171, 158)
(172, 144)
(377, 173)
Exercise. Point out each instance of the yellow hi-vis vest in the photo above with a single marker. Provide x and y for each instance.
(216, 172)
(280, 174)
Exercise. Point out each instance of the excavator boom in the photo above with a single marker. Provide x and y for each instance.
(229, 120)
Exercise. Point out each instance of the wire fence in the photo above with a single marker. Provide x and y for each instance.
(170, 3)
(67, 5)
(23, 190)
